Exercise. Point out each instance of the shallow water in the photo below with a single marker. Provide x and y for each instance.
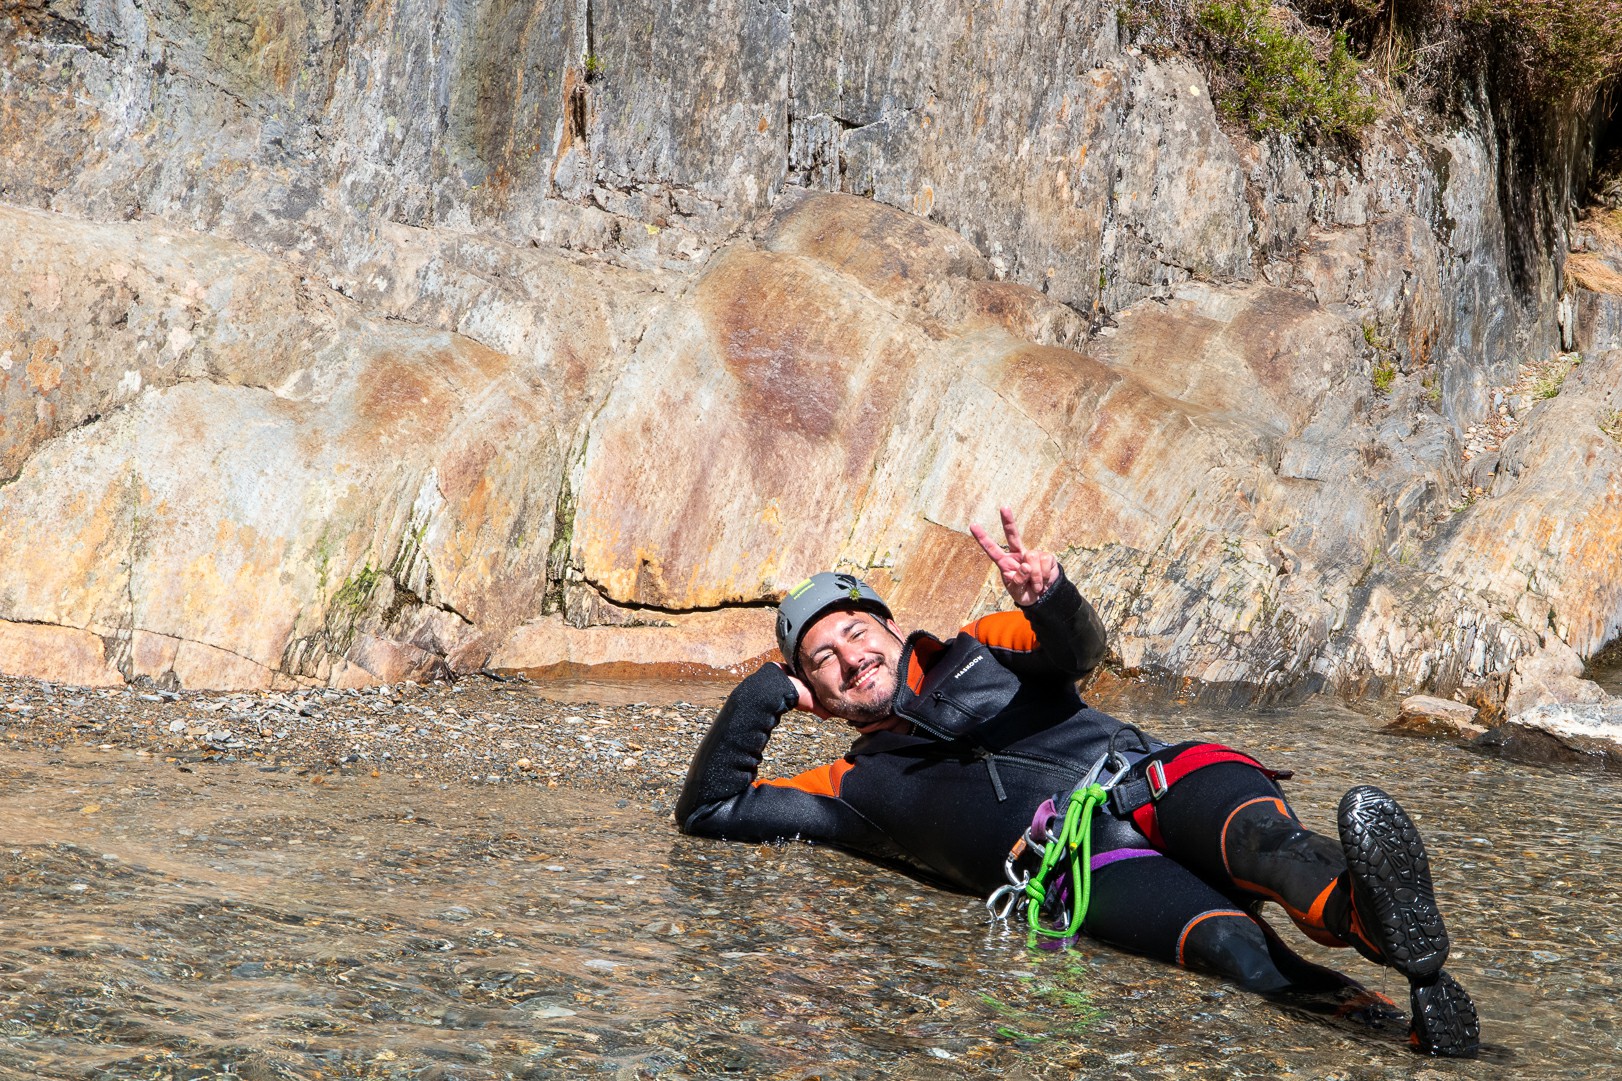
(177, 921)
(1608, 671)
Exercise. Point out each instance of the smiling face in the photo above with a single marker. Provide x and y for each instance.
(848, 659)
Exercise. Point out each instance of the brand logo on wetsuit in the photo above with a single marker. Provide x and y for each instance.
(966, 667)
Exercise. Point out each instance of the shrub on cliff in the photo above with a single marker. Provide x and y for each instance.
(1269, 69)
(1273, 74)
(1296, 66)
(1565, 51)
(1571, 48)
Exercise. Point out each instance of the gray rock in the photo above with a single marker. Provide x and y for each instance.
(1554, 734)
(542, 350)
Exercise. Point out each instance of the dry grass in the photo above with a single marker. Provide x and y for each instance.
(1569, 47)
(1606, 225)
(1548, 376)
(1589, 271)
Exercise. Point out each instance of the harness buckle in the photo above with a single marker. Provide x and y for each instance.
(1155, 774)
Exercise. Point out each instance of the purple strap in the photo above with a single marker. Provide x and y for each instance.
(1107, 858)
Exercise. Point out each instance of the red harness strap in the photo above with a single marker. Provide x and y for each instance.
(1162, 774)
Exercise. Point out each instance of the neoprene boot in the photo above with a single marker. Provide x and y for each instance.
(1393, 910)
(1267, 852)
(1372, 891)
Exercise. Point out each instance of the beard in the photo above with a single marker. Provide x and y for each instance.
(870, 709)
(863, 717)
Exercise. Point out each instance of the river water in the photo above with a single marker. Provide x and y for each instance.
(172, 920)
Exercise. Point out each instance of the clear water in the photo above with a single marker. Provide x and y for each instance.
(228, 921)
(1608, 671)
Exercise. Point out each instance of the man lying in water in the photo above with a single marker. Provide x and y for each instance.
(962, 741)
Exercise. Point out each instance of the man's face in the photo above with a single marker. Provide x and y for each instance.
(849, 661)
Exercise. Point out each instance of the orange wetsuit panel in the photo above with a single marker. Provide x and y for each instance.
(822, 781)
(1004, 630)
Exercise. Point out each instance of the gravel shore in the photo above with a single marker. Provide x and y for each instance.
(477, 730)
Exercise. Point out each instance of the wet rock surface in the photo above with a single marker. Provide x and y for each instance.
(1423, 715)
(1572, 734)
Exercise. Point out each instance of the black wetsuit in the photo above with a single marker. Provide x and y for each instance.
(997, 729)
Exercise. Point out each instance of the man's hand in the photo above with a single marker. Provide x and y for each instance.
(807, 702)
(1026, 575)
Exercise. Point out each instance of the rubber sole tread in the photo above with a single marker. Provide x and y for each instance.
(1390, 878)
(1444, 1019)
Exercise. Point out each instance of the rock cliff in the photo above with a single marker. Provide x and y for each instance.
(344, 342)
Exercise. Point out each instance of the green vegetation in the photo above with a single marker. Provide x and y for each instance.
(1316, 70)
(356, 590)
(1552, 377)
(1611, 425)
(348, 605)
(1569, 48)
(1385, 375)
(595, 66)
(1278, 77)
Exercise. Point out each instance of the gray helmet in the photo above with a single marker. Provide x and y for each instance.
(816, 597)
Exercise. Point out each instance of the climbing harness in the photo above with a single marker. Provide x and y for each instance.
(1053, 898)
(1061, 843)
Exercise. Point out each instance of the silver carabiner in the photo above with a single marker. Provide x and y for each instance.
(1008, 866)
(1008, 897)
(1126, 767)
(1092, 774)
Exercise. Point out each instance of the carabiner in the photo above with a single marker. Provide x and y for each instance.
(1126, 767)
(1092, 774)
(1013, 892)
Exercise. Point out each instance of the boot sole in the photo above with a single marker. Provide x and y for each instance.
(1391, 883)
(1444, 1019)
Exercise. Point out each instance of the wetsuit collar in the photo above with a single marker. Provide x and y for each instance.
(918, 655)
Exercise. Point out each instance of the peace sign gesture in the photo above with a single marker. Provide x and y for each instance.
(1026, 575)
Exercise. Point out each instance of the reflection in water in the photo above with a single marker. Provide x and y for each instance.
(1607, 670)
(163, 923)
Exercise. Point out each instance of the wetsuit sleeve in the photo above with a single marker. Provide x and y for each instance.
(1060, 634)
(722, 798)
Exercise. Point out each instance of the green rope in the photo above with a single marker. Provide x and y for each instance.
(1077, 833)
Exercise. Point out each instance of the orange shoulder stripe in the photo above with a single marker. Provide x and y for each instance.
(822, 781)
(1004, 630)
(924, 653)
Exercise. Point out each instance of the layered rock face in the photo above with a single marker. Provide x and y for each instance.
(347, 342)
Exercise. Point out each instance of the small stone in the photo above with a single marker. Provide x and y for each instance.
(1438, 718)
